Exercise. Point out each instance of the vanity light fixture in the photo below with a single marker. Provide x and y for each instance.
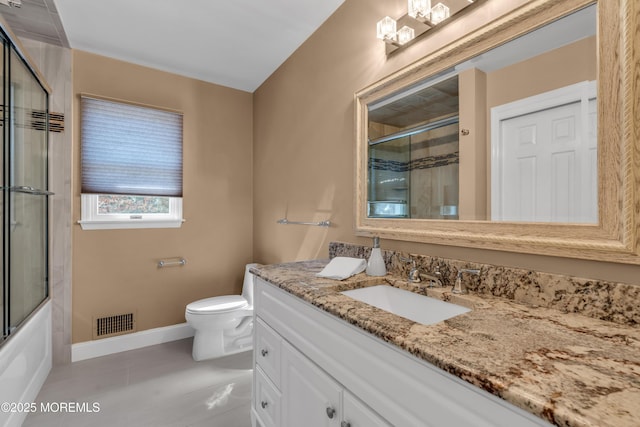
(421, 16)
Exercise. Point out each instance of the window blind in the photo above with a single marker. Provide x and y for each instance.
(129, 149)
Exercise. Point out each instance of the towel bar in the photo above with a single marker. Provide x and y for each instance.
(285, 221)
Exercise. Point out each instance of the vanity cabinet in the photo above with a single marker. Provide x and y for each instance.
(312, 398)
(314, 369)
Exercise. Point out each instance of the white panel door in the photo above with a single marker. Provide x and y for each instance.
(310, 397)
(544, 164)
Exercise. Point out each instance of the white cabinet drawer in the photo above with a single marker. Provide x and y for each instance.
(268, 348)
(266, 400)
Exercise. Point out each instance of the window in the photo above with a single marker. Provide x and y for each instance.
(131, 165)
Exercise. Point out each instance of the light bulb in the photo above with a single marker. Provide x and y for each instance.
(419, 9)
(439, 13)
(386, 29)
(405, 34)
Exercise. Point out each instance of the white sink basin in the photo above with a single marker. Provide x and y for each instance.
(416, 307)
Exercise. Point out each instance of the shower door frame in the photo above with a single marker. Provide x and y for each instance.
(11, 52)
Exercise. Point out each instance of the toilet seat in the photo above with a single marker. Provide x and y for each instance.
(221, 304)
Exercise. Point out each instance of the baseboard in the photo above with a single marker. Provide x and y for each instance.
(90, 349)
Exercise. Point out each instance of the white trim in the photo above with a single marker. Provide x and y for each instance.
(114, 225)
(90, 349)
(92, 220)
(575, 92)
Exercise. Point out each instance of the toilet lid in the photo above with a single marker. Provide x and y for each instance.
(217, 304)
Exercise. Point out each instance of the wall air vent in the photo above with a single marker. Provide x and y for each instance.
(114, 325)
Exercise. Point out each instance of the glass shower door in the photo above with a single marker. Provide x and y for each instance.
(414, 173)
(4, 314)
(389, 175)
(25, 198)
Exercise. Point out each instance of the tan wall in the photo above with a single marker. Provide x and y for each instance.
(561, 67)
(304, 141)
(473, 146)
(115, 271)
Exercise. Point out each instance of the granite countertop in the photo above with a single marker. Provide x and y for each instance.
(569, 369)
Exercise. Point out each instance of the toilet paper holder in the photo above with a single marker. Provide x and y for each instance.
(177, 262)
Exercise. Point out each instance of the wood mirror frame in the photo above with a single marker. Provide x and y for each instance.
(616, 236)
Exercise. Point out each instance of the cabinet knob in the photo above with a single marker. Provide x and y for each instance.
(330, 412)
(264, 404)
(345, 424)
(264, 352)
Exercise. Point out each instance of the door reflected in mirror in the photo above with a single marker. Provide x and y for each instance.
(508, 135)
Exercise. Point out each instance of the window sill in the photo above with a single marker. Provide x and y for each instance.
(115, 225)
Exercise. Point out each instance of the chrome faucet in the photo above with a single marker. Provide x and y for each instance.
(416, 274)
(459, 287)
(435, 278)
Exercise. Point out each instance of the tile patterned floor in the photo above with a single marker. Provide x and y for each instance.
(154, 386)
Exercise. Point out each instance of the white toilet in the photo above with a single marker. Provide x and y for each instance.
(224, 324)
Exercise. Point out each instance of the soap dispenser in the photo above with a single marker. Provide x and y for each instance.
(375, 266)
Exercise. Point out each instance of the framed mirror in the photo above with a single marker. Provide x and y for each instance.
(521, 136)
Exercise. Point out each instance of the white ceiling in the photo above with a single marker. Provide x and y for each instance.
(234, 43)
